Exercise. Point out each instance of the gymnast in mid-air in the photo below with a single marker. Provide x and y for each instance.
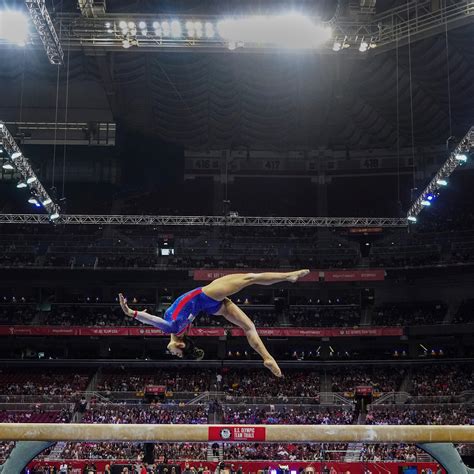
(213, 299)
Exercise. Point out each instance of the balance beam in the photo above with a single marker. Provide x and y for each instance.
(238, 433)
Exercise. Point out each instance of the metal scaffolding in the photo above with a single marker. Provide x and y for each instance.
(21, 164)
(208, 221)
(46, 32)
(96, 31)
(456, 159)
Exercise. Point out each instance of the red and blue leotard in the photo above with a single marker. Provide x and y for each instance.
(185, 309)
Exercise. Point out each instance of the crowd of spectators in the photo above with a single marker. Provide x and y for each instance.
(285, 452)
(465, 313)
(325, 317)
(73, 315)
(249, 383)
(129, 414)
(48, 384)
(441, 380)
(36, 415)
(381, 380)
(409, 314)
(420, 415)
(287, 416)
(17, 314)
(390, 452)
(5, 449)
(183, 380)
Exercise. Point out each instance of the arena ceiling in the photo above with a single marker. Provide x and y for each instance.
(267, 100)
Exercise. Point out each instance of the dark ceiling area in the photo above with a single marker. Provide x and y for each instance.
(262, 101)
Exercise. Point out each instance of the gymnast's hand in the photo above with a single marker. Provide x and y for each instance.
(125, 308)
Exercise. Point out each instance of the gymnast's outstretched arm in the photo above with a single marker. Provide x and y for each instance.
(144, 317)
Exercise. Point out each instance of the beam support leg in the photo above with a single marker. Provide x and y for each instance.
(447, 455)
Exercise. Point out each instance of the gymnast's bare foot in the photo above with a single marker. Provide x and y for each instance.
(271, 365)
(294, 276)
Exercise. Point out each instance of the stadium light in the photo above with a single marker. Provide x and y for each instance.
(21, 185)
(425, 203)
(412, 218)
(175, 29)
(442, 182)
(47, 201)
(16, 155)
(14, 27)
(31, 179)
(165, 28)
(292, 31)
(54, 216)
(33, 200)
(364, 46)
(8, 166)
(461, 157)
(210, 32)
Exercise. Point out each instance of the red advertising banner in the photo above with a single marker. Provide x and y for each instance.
(119, 331)
(207, 274)
(237, 433)
(316, 467)
(314, 275)
(355, 275)
(324, 332)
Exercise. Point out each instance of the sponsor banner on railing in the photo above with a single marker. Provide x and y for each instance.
(323, 332)
(237, 433)
(207, 274)
(354, 275)
(315, 275)
(315, 467)
(197, 332)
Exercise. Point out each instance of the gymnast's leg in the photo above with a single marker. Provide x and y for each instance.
(231, 284)
(236, 316)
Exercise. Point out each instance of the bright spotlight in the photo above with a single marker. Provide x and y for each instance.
(157, 28)
(198, 29)
(289, 31)
(123, 25)
(461, 157)
(165, 26)
(364, 46)
(16, 155)
(442, 182)
(337, 46)
(209, 27)
(142, 25)
(425, 203)
(34, 201)
(412, 218)
(7, 166)
(31, 179)
(107, 24)
(21, 185)
(47, 201)
(54, 216)
(131, 25)
(126, 44)
(175, 29)
(14, 27)
(190, 28)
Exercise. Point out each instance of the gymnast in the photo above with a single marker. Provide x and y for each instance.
(213, 299)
